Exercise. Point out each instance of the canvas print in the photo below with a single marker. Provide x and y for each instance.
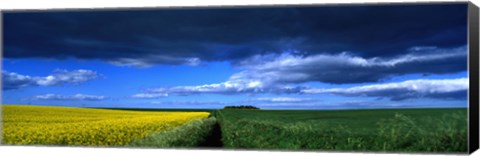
(361, 78)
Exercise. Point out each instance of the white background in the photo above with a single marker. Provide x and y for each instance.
(63, 4)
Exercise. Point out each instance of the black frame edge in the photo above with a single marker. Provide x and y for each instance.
(473, 48)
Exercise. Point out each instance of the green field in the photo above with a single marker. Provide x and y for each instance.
(376, 130)
(403, 130)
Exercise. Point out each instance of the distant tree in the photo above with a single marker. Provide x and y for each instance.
(241, 107)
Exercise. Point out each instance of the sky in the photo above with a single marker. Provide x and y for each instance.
(295, 57)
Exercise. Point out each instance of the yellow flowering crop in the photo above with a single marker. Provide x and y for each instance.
(45, 125)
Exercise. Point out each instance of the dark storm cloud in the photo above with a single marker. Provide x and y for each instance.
(189, 36)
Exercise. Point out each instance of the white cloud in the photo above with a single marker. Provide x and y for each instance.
(442, 88)
(225, 88)
(155, 59)
(188, 103)
(341, 105)
(427, 88)
(12, 80)
(149, 95)
(60, 77)
(283, 99)
(129, 62)
(69, 97)
(279, 74)
(347, 68)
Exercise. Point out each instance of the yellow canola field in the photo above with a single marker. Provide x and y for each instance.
(46, 125)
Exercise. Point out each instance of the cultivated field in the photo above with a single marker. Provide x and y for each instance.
(405, 130)
(381, 130)
(42, 125)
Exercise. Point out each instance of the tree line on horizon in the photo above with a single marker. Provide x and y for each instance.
(241, 107)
